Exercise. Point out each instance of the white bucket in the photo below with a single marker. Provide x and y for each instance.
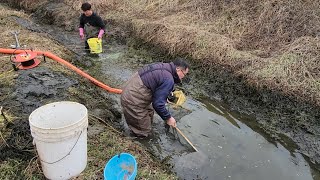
(59, 131)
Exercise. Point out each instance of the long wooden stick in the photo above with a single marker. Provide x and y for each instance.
(186, 139)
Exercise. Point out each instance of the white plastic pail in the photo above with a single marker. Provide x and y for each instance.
(59, 131)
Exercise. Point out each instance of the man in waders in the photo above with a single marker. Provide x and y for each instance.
(91, 25)
(148, 90)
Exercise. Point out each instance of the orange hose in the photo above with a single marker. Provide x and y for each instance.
(69, 65)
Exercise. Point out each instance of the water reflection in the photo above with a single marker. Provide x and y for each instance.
(230, 149)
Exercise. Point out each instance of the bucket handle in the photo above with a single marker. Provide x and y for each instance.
(66, 154)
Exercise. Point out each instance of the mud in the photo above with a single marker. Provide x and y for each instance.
(33, 88)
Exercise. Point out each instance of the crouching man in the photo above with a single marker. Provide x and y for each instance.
(146, 91)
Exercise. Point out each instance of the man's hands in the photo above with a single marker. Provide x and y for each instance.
(172, 122)
(81, 33)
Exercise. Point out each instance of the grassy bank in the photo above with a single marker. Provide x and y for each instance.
(18, 158)
(271, 44)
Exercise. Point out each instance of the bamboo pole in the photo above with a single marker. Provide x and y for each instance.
(186, 139)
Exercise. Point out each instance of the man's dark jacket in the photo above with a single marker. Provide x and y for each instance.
(160, 79)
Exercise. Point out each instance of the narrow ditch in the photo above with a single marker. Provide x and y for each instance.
(276, 117)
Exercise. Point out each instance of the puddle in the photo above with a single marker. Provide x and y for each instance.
(112, 63)
(230, 149)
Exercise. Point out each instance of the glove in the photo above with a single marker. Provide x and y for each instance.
(101, 32)
(81, 33)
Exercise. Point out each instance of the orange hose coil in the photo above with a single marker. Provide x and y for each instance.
(69, 65)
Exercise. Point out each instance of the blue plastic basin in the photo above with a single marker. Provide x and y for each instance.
(121, 167)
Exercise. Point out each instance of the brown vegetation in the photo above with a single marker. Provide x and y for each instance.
(271, 43)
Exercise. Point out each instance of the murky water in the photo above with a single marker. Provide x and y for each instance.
(235, 151)
(231, 145)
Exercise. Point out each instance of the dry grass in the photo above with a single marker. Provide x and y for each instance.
(29, 5)
(296, 71)
(31, 40)
(254, 39)
(273, 44)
